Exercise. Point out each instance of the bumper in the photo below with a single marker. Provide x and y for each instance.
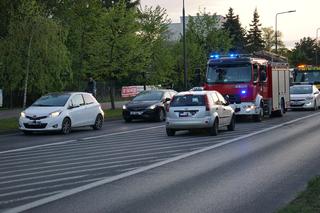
(145, 114)
(198, 123)
(48, 124)
(245, 108)
(302, 105)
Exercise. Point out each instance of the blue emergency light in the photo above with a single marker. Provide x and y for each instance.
(243, 92)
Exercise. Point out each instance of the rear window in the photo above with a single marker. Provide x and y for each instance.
(188, 100)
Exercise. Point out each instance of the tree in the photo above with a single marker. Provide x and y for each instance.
(304, 52)
(254, 37)
(35, 56)
(129, 3)
(203, 37)
(115, 51)
(153, 35)
(268, 35)
(236, 32)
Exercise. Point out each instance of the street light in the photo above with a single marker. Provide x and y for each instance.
(184, 47)
(276, 28)
(317, 47)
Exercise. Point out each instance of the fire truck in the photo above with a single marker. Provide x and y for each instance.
(307, 74)
(255, 85)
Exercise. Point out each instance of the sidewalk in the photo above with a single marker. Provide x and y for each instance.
(10, 113)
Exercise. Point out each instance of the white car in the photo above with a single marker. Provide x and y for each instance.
(62, 112)
(199, 110)
(304, 97)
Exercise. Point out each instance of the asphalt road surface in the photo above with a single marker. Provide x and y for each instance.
(136, 168)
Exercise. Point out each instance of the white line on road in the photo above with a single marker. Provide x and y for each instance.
(87, 138)
(143, 169)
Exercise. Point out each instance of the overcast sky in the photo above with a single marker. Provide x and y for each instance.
(294, 26)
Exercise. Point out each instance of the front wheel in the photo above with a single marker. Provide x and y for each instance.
(161, 115)
(170, 132)
(232, 124)
(66, 126)
(98, 122)
(315, 106)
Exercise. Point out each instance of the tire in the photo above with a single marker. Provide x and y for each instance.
(232, 125)
(66, 126)
(161, 115)
(258, 118)
(280, 112)
(170, 132)
(98, 122)
(315, 106)
(127, 120)
(214, 129)
(27, 132)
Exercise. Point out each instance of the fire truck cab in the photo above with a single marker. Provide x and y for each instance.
(255, 85)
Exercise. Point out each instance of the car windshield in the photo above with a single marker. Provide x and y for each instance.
(52, 100)
(229, 73)
(301, 89)
(188, 100)
(149, 96)
(310, 76)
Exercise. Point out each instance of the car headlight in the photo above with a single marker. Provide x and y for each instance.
(23, 114)
(309, 98)
(55, 114)
(152, 107)
(124, 107)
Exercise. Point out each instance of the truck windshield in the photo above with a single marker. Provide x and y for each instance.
(309, 76)
(229, 73)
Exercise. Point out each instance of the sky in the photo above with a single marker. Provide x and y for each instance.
(294, 26)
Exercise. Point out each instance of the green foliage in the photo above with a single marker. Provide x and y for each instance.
(268, 35)
(307, 201)
(35, 38)
(304, 52)
(254, 37)
(204, 37)
(129, 3)
(236, 32)
(153, 40)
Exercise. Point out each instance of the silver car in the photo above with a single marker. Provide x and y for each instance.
(199, 110)
(304, 97)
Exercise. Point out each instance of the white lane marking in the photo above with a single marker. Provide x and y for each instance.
(87, 138)
(95, 164)
(143, 169)
(120, 133)
(34, 147)
(28, 198)
(42, 182)
(94, 154)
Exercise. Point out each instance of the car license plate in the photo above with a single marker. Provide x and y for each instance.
(183, 114)
(35, 123)
(135, 113)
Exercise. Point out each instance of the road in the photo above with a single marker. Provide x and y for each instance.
(136, 168)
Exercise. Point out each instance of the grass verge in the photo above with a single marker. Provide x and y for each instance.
(8, 124)
(112, 114)
(307, 201)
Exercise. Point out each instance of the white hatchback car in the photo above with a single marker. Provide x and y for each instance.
(304, 97)
(199, 110)
(61, 112)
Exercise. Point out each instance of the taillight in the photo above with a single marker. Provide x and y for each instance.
(206, 101)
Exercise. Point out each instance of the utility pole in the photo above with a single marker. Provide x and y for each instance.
(276, 27)
(184, 47)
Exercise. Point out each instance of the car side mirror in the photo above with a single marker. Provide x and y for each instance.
(317, 92)
(167, 100)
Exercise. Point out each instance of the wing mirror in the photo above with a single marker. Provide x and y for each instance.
(167, 100)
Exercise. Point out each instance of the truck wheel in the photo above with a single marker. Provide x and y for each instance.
(315, 106)
(161, 115)
(258, 118)
(282, 110)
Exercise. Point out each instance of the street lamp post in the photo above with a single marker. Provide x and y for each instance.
(276, 27)
(317, 46)
(184, 47)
